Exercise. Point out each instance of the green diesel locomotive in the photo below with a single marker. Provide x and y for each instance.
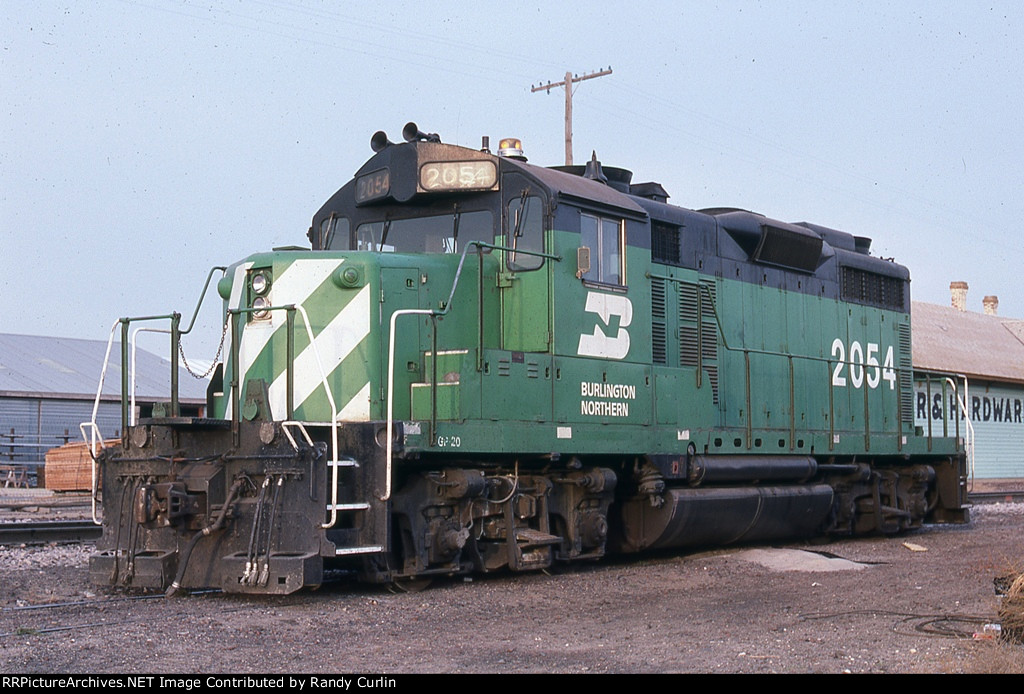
(482, 364)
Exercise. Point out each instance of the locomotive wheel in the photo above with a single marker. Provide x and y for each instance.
(409, 585)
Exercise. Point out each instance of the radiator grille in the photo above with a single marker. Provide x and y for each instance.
(869, 288)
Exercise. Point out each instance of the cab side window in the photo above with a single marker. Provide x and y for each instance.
(604, 238)
(525, 231)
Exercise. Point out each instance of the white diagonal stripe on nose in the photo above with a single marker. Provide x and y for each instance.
(294, 286)
(335, 342)
(358, 408)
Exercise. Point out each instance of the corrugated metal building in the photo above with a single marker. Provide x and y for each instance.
(48, 387)
(989, 350)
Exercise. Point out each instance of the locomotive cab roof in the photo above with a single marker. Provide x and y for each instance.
(421, 172)
(425, 174)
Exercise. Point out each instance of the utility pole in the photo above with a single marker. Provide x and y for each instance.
(567, 84)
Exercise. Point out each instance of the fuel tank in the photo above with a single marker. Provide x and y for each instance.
(721, 515)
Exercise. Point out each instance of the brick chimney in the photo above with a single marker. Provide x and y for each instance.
(958, 291)
(991, 304)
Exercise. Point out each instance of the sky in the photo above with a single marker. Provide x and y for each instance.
(144, 141)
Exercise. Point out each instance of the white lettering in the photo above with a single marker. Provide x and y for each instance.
(862, 370)
(607, 391)
(600, 408)
(342, 683)
(613, 391)
(366, 682)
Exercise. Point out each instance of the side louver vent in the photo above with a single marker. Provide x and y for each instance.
(698, 331)
(790, 248)
(664, 243)
(906, 375)
(658, 329)
(871, 289)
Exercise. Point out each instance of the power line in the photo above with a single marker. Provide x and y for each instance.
(567, 85)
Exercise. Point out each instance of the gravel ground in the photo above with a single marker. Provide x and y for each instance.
(740, 610)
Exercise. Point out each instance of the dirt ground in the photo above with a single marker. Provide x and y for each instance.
(902, 611)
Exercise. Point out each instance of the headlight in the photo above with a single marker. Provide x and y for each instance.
(260, 304)
(260, 283)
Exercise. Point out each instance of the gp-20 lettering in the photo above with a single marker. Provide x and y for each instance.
(449, 441)
(862, 365)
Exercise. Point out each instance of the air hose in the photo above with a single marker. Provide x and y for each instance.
(209, 529)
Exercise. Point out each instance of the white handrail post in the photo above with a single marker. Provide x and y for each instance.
(334, 415)
(94, 437)
(968, 425)
(391, 389)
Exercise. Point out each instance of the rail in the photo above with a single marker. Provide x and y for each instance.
(46, 532)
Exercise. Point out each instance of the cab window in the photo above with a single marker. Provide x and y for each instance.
(444, 233)
(525, 232)
(604, 237)
(333, 231)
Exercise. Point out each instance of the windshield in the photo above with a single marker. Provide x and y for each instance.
(445, 233)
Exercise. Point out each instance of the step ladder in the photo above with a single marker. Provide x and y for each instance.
(355, 519)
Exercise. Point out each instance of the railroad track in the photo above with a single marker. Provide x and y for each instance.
(1016, 495)
(44, 532)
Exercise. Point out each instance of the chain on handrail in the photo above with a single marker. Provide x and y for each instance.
(216, 358)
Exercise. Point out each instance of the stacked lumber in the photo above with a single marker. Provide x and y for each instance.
(69, 467)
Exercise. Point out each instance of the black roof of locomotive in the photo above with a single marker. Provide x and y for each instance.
(556, 183)
(616, 192)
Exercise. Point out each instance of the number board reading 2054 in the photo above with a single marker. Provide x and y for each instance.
(371, 186)
(458, 175)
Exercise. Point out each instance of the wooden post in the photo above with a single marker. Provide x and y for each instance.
(567, 85)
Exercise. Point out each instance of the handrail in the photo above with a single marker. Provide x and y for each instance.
(391, 389)
(302, 429)
(334, 416)
(202, 295)
(95, 438)
(236, 385)
(125, 322)
(480, 245)
(969, 433)
(99, 390)
(134, 345)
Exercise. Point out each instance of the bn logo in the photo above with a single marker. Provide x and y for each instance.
(600, 343)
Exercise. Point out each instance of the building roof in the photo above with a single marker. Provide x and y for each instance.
(39, 366)
(975, 344)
